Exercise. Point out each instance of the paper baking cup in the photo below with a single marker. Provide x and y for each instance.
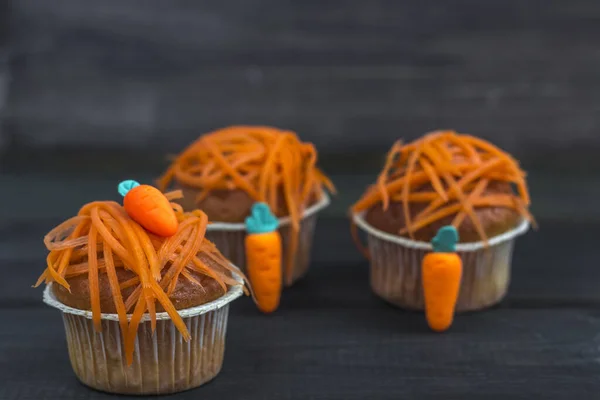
(396, 268)
(229, 239)
(163, 362)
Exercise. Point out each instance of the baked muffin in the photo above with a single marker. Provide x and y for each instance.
(143, 313)
(444, 178)
(226, 172)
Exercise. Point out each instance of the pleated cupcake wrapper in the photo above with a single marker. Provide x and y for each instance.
(229, 239)
(163, 362)
(396, 268)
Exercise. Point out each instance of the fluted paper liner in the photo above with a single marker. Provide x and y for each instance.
(229, 239)
(396, 268)
(163, 362)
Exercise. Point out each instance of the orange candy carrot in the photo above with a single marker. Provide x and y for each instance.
(263, 257)
(149, 207)
(441, 276)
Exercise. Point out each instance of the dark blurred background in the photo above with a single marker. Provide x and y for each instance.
(95, 91)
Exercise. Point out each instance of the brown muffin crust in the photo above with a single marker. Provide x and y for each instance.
(185, 295)
(223, 205)
(495, 220)
(230, 206)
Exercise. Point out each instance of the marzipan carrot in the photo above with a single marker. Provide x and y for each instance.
(263, 257)
(149, 207)
(441, 275)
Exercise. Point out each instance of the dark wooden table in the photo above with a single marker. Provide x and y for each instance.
(333, 339)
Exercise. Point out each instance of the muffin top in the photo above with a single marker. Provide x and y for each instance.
(104, 261)
(195, 289)
(224, 172)
(231, 206)
(447, 178)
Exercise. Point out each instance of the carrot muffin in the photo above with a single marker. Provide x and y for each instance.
(444, 178)
(227, 171)
(144, 313)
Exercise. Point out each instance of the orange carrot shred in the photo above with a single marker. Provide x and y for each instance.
(129, 283)
(93, 279)
(435, 179)
(52, 275)
(439, 214)
(412, 161)
(383, 177)
(479, 189)
(202, 268)
(174, 195)
(466, 179)
(466, 206)
(115, 289)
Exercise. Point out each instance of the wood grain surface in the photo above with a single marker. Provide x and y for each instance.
(368, 352)
(347, 75)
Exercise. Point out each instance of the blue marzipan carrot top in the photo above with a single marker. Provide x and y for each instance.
(261, 219)
(445, 240)
(126, 186)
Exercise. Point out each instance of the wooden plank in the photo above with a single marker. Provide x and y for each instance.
(311, 33)
(337, 110)
(139, 74)
(347, 353)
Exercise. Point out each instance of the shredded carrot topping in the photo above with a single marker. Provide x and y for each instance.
(269, 164)
(457, 169)
(103, 238)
